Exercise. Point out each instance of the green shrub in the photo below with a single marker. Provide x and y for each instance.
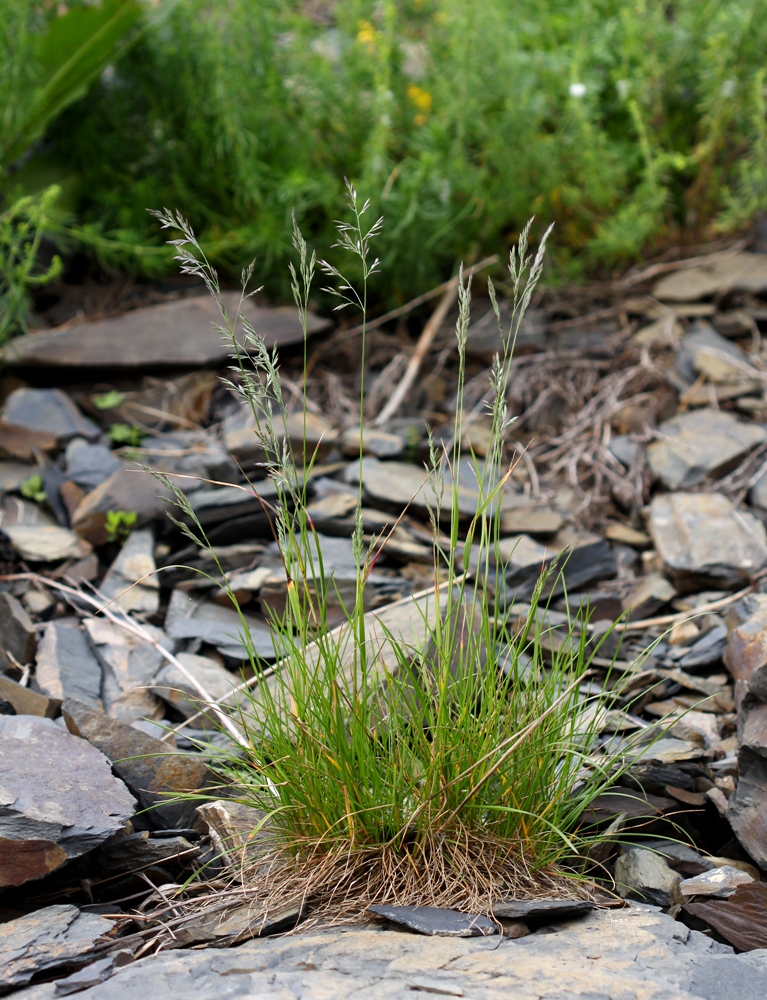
(21, 230)
(631, 125)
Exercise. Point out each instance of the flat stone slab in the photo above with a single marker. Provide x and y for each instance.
(171, 335)
(58, 798)
(742, 271)
(56, 937)
(435, 920)
(48, 411)
(700, 443)
(633, 954)
(703, 538)
(542, 910)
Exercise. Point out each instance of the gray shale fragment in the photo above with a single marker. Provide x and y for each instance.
(54, 938)
(175, 335)
(644, 875)
(17, 634)
(703, 539)
(436, 920)
(700, 443)
(50, 411)
(66, 665)
(131, 581)
(58, 798)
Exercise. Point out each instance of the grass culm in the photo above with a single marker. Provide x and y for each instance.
(437, 752)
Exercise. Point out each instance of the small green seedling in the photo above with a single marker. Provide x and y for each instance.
(108, 400)
(126, 434)
(119, 524)
(32, 488)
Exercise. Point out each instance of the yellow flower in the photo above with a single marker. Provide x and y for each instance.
(367, 34)
(421, 99)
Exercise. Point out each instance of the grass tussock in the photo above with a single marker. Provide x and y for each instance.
(443, 755)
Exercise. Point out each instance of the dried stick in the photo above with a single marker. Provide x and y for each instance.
(421, 349)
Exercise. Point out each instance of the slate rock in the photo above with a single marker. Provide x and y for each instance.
(66, 665)
(127, 852)
(12, 475)
(53, 938)
(741, 919)
(130, 490)
(541, 911)
(147, 766)
(25, 701)
(23, 443)
(758, 493)
(700, 443)
(747, 806)
(703, 351)
(58, 798)
(706, 650)
(704, 540)
(401, 483)
(745, 655)
(679, 856)
(18, 638)
(641, 874)
(131, 581)
(228, 503)
(242, 440)
(171, 685)
(173, 335)
(189, 453)
(45, 542)
(90, 975)
(531, 520)
(648, 596)
(234, 828)
(720, 882)
(434, 920)
(632, 953)
(48, 411)
(625, 449)
(742, 271)
(217, 625)
(89, 465)
(579, 561)
(130, 665)
(374, 442)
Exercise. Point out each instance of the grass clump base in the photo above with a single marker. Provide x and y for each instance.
(440, 755)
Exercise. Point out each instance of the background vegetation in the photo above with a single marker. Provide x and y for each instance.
(630, 124)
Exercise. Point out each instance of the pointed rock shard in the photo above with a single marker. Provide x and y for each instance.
(18, 639)
(67, 666)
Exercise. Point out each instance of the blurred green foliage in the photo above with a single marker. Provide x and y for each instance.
(630, 124)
